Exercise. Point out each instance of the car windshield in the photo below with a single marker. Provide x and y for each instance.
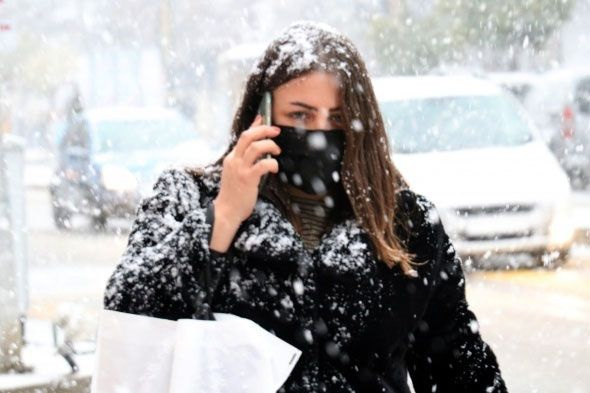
(454, 123)
(141, 134)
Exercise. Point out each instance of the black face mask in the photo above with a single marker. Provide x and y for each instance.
(310, 160)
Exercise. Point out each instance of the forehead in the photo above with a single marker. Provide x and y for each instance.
(317, 84)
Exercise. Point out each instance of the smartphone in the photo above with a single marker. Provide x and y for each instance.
(265, 110)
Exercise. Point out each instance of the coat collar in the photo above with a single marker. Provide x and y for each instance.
(267, 234)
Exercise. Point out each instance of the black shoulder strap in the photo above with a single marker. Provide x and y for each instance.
(207, 280)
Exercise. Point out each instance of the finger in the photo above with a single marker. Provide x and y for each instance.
(259, 148)
(265, 166)
(257, 121)
(253, 134)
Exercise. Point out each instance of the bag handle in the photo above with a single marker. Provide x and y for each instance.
(208, 282)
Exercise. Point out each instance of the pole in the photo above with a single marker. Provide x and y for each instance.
(11, 296)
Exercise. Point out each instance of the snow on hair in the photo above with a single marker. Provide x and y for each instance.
(302, 46)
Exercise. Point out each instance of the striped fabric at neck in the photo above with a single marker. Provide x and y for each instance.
(314, 219)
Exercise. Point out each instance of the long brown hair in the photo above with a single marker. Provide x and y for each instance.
(369, 177)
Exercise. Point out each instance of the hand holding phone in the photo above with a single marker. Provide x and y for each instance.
(243, 169)
(240, 189)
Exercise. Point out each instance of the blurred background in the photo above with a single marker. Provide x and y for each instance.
(98, 97)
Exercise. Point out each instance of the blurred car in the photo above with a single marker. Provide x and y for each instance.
(560, 104)
(469, 146)
(108, 159)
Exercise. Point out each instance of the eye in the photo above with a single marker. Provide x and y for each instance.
(298, 115)
(337, 119)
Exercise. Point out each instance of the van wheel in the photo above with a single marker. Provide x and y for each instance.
(99, 223)
(553, 259)
(62, 218)
(579, 183)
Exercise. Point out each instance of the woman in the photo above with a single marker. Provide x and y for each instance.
(330, 251)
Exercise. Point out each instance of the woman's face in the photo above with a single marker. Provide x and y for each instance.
(311, 101)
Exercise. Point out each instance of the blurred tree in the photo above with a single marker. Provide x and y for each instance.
(413, 41)
(30, 74)
(507, 27)
(453, 30)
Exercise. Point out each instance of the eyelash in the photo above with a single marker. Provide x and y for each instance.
(297, 116)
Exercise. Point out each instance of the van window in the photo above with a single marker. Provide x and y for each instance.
(76, 135)
(455, 123)
(125, 135)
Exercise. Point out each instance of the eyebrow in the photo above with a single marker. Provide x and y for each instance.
(312, 108)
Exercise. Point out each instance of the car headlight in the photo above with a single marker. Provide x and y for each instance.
(116, 178)
(561, 230)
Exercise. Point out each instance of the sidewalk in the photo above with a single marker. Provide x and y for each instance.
(51, 373)
(70, 291)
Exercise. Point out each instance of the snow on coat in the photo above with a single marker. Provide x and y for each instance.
(361, 325)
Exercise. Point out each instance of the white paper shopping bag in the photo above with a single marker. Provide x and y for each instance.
(231, 354)
(133, 353)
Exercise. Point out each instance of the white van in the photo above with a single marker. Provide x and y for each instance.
(471, 148)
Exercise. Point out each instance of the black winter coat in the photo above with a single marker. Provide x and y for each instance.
(361, 325)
